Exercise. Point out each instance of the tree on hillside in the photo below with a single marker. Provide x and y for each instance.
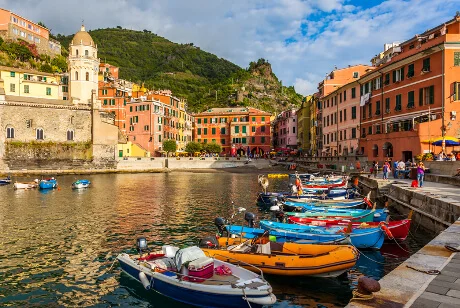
(193, 147)
(212, 147)
(169, 145)
(42, 24)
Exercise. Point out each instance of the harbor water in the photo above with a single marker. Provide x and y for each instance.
(57, 247)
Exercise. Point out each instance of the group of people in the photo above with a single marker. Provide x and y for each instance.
(449, 157)
(399, 167)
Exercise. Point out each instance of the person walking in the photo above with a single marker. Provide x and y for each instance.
(395, 169)
(376, 169)
(386, 170)
(420, 174)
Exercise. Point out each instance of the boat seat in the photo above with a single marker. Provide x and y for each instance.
(263, 249)
(244, 248)
(275, 246)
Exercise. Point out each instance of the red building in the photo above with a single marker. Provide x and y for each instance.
(236, 129)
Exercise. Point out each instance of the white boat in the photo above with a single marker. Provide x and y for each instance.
(189, 276)
(81, 184)
(26, 185)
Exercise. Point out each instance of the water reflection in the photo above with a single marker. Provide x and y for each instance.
(57, 245)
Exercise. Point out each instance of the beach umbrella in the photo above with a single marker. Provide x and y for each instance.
(449, 143)
(435, 140)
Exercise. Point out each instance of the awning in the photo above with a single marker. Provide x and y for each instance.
(407, 117)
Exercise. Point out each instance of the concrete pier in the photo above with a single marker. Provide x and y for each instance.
(437, 208)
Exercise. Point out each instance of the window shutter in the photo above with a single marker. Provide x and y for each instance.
(420, 97)
(431, 94)
(402, 74)
(394, 76)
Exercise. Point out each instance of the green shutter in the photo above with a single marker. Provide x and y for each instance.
(431, 94)
(244, 129)
(394, 76)
(402, 74)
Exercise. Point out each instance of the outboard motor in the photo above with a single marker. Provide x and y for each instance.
(220, 224)
(209, 242)
(250, 217)
(277, 212)
(141, 245)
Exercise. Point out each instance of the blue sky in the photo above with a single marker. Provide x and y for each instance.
(302, 39)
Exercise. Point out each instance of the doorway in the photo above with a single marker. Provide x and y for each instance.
(407, 155)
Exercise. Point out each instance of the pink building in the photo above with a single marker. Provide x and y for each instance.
(341, 120)
(285, 130)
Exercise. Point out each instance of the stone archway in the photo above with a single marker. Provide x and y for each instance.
(387, 149)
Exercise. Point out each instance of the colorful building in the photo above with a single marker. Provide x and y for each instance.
(327, 113)
(31, 83)
(303, 125)
(238, 130)
(285, 130)
(412, 95)
(341, 120)
(14, 27)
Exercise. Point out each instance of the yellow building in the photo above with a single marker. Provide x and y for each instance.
(31, 83)
(130, 149)
(303, 126)
(312, 104)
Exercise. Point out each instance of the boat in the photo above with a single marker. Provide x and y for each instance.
(277, 175)
(360, 237)
(296, 259)
(304, 204)
(354, 215)
(81, 184)
(341, 184)
(25, 185)
(5, 181)
(50, 183)
(187, 275)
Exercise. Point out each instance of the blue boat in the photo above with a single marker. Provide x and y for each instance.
(360, 238)
(315, 204)
(5, 181)
(171, 276)
(378, 215)
(48, 184)
(81, 184)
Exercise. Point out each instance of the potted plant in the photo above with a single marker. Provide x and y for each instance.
(419, 157)
(428, 156)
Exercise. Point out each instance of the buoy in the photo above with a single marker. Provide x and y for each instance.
(144, 280)
(387, 231)
(356, 181)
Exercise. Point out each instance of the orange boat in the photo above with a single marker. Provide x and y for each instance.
(288, 259)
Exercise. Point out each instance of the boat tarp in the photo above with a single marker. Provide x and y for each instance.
(188, 254)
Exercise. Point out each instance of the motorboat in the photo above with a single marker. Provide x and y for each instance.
(79, 184)
(5, 181)
(49, 183)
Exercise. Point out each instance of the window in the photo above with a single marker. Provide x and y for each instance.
(378, 83)
(87, 76)
(456, 59)
(353, 92)
(70, 135)
(345, 95)
(370, 110)
(76, 75)
(369, 130)
(344, 114)
(205, 131)
(65, 89)
(10, 132)
(243, 140)
(377, 108)
(244, 129)
(205, 120)
(410, 99)
(355, 74)
(262, 139)
(340, 135)
(12, 87)
(237, 129)
(293, 130)
(39, 134)
(48, 91)
(12, 74)
(26, 88)
(410, 71)
(76, 52)
(377, 129)
(253, 119)
(363, 132)
(199, 121)
(222, 141)
(363, 113)
(353, 133)
(340, 97)
(426, 65)
(159, 138)
(340, 116)
(222, 130)
(353, 112)
(213, 130)
(398, 102)
(263, 119)
(387, 79)
(387, 105)
(253, 129)
(398, 75)
(86, 53)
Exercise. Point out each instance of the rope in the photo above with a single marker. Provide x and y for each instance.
(453, 249)
(430, 272)
(113, 263)
(362, 297)
(246, 298)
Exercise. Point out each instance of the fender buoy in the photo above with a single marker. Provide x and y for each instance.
(356, 181)
(369, 204)
(387, 231)
(144, 280)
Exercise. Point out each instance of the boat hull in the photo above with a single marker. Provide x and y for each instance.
(44, 184)
(24, 185)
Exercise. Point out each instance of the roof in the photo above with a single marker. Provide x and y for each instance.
(82, 38)
(232, 110)
(24, 70)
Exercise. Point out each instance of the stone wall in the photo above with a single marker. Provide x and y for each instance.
(442, 167)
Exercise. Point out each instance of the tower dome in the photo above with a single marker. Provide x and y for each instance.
(82, 38)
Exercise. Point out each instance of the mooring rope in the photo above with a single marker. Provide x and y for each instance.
(429, 272)
(360, 296)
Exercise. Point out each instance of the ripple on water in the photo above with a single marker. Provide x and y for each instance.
(57, 247)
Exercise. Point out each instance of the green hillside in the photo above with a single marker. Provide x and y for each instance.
(188, 71)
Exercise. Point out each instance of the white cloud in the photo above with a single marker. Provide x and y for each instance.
(338, 32)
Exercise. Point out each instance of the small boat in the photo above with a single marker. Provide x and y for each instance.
(26, 185)
(341, 184)
(360, 237)
(50, 183)
(297, 259)
(354, 215)
(81, 184)
(304, 204)
(5, 181)
(277, 175)
(187, 275)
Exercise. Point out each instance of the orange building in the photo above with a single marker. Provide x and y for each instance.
(327, 112)
(13, 26)
(114, 94)
(236, 129)
(412, 95)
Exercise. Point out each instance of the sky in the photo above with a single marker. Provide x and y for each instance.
(302, 39)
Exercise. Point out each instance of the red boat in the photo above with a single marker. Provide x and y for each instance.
(399, 228)
(332, 185)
